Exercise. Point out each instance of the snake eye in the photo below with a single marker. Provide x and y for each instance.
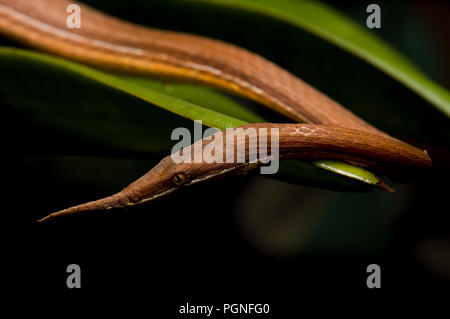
(179, 179)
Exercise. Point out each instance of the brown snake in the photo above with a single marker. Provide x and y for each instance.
(107, 42)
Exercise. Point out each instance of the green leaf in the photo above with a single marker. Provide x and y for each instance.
(199, 95)
(105, 108)
(346, 170)
(331, 25)
(109, 109)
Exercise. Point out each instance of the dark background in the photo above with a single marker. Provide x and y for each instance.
(243, 239)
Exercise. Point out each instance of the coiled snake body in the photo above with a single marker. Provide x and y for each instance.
(107, 42)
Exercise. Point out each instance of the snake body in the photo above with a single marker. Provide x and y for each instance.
(107, 42)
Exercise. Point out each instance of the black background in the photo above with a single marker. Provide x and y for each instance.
(191, 246)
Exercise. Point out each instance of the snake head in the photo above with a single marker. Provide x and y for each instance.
(166, 177)
(169, 176)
